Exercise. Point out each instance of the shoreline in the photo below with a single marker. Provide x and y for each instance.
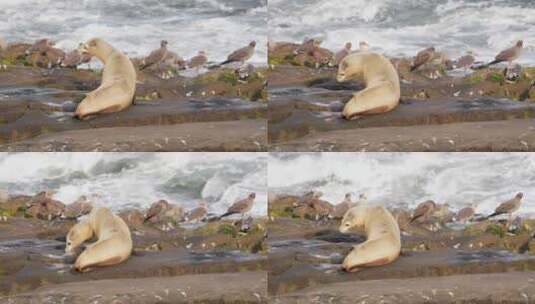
(165, 252)
(306, 255)
(306, 103)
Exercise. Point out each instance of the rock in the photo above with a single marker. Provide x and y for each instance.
(512, 74)
(244, 225)
(15, 204)
(42, 206)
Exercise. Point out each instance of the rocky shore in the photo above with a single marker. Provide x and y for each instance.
(442, 261)
(440, 109)
(172, 262)
(192, 110)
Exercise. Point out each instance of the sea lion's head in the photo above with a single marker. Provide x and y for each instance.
(76, 236)
(353, 218)
(350, 67)
(95, 47)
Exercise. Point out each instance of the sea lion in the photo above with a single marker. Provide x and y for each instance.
(116, 92)
(113, 245)
(382, 92)
(383, 239)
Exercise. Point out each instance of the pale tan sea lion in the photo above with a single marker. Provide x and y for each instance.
(382, 92)
(113, 245)
(116, 92)
(383, 239)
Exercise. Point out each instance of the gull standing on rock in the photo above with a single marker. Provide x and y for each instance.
(241, 55)
(242, 206)
(364, 46)
(466, 214)
(40, 46)
(342, 53)
(423, 57)
(508, 207)
(424, 210)
(155, 56)
(508, 55)
(198, 61)
(198, 214)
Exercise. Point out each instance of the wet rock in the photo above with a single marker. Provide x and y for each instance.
(15, 204)
(244, 225)
(512, 74)
(42, 206)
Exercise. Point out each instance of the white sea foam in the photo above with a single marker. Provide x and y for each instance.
(406, 179)
(119, 180)
(401, 28)
(137, 26)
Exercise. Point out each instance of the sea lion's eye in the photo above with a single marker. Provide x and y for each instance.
(69, 243)
(347, 224)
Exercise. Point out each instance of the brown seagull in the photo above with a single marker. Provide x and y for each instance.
(342, 53)
(423, 57)
(509, 206)
(242, 54)
(423, 210)
(509, 54)
(197, 214)
(155, 56)
(242, 206)
(198, 61)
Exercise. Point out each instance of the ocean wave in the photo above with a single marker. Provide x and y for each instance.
(119, 180)
(406, 179)
(137, 26)
(403, 28)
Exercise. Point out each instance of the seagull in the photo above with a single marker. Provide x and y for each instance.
(423, 57)
(242, 206)
(241, 55)
(423, 210)
(155, 56)
(509, 206)
(508, 55)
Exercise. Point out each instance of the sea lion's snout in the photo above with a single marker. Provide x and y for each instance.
(83, 48)
(341, 77)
